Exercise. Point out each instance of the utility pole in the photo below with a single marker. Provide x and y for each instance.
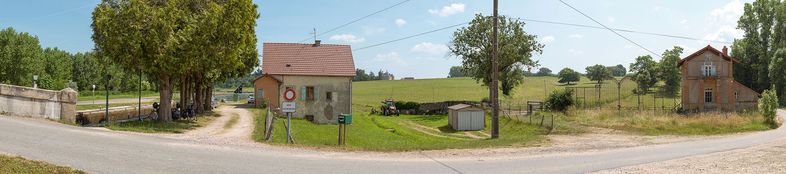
(139, 106)
(494, 74)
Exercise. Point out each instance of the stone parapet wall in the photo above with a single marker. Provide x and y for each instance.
(38, 103)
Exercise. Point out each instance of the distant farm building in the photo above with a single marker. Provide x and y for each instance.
(708, 82)
(463, 117)
(408, 78)
(321, 75)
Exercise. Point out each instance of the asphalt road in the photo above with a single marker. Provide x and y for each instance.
(101, 151)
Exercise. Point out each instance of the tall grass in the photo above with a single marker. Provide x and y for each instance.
(661, 123)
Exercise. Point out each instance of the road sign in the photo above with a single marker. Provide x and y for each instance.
(289, 94)
(288, 107)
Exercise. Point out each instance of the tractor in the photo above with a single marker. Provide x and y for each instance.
(389, 108)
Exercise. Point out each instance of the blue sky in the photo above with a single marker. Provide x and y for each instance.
(66, 24)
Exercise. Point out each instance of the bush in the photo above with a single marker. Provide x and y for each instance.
(560, 100)
(768, 103)
(407, 105)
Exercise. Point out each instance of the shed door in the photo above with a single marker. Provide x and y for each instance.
(477, 120)
(464, 120)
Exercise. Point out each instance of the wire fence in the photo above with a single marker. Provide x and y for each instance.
(618, 94)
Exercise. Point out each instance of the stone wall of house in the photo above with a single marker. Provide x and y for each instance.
(322, 109)
(38, 103)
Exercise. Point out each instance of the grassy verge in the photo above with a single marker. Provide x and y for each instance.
(20, 165)
(403, 133)
(666, 123)
(179, 126)
(99, 106)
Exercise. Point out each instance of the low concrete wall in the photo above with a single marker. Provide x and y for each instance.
(38, 103)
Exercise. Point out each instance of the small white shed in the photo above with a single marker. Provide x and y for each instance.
(463, 117)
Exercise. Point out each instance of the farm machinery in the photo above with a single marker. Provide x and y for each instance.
(388, 108)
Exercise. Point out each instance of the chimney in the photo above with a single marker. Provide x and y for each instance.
(725, 51)
(316, 43)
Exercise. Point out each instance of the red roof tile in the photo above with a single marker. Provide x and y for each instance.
(306, 59)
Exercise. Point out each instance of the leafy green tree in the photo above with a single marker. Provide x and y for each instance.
(618, 71)
(768, 103)
(762, 23)
(568, 75)
(456, 71)
(473, 45)
(86, 71)
(20, 57)
(598, 73)
(644, 73)
(543, 71)
(57, 69)
(778, 75)
(669, 72)
(206, 41)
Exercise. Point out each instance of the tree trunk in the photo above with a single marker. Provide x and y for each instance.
(199, 89)
(183, 89)
(165, 94)
(208, 98)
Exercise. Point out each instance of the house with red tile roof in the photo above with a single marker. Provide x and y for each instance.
(708, 82)
(320, 74)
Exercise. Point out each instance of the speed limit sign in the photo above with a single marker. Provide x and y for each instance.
(289, 94)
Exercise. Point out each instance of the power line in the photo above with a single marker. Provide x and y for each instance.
(614, 31)
(356, 20)
(551, 22)
(624, 30)
(411, 36)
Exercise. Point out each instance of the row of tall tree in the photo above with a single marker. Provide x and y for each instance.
(57, 69)
(361, 75)
(185, 44)
(761, 66)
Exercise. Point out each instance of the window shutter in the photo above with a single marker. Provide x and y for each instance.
(303, 93)
(316, 93)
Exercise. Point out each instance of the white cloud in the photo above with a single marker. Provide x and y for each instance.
(612, 19)
(577, 36)
(347, 38)
(391, 57)
(373, 30)
(656, 8)
(547, 39)
(401, 22)
(725, 34)
(575, 52)
(729, 12)
(430, 48)
(448, 10)
(724, 22)
(683, 21)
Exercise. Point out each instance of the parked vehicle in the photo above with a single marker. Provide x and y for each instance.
(250, 100)
(389, 108)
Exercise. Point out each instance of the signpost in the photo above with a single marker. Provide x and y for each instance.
(289, 107)
(343, 121)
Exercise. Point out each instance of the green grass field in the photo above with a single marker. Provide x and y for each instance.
(10, 164)
(403, 133)
(667, 123)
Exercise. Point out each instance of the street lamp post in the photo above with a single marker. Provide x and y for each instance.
(35, 81)
(94, 94)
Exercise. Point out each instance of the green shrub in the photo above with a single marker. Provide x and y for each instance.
(768, 103)
(407, 105)
(560, 100)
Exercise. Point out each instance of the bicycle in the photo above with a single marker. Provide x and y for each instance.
(153, 115)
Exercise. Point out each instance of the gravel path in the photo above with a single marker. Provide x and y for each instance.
(215, 133)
